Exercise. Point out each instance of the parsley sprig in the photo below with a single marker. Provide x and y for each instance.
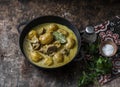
(96, 66)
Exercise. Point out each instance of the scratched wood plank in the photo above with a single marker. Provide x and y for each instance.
(15, 70)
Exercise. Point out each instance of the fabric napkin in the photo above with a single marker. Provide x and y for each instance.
(110, 30)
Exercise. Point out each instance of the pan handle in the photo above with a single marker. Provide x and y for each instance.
(21, 25)
(79, 57)
(80, 54)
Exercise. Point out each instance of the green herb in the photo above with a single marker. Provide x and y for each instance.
(103, 65)
(98, 65)
(86, 79)
(60, 37)
(95, 68)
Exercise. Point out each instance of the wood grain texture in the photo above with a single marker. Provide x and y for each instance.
(15, 70)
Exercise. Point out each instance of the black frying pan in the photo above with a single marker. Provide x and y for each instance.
(46, 19)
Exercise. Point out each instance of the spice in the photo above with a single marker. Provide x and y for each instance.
(108, 49)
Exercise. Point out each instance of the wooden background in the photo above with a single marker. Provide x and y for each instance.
(15, 70)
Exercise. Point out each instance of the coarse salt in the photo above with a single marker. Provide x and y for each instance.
(108, 49)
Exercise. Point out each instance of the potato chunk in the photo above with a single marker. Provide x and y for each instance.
(31, 34)
(35, 56)
(34, 39)
(58, 57)
(70, 43)
(46, 38)
(52, 27)
(48, 61)
(41, 31)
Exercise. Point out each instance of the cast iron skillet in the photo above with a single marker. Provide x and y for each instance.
(46, 19)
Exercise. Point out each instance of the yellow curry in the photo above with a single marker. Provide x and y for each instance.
(50, 45)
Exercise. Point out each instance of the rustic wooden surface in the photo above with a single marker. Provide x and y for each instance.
(15, 71)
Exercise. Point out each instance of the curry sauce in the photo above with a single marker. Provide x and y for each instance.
(50, 45)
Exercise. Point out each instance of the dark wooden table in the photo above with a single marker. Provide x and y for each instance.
(15, 71)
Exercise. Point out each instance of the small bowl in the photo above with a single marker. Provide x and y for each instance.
(108, 42)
